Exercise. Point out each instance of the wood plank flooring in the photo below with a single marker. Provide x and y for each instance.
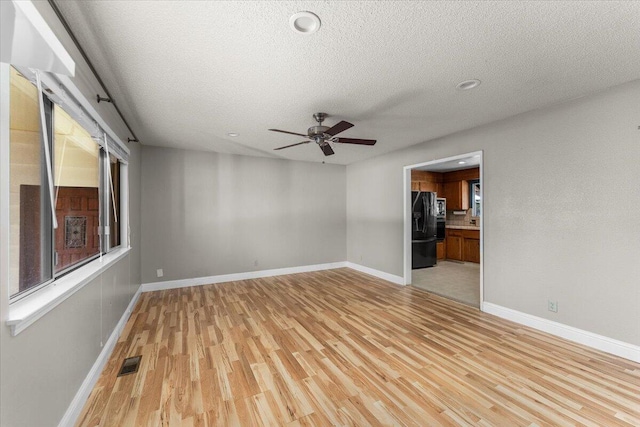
(343, 348)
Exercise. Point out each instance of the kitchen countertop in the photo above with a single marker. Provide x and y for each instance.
(462, 227)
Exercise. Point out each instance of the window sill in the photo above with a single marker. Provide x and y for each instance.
(24, 312)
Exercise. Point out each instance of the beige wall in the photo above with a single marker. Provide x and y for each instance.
(561, 191)
(206, 214)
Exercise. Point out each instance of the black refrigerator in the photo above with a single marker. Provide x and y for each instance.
(423, 229)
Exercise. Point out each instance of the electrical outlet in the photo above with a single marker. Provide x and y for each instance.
(553, 306)
(159, 272)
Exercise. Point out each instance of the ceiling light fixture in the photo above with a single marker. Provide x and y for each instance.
(233, 134)
(461, 162)
(304, 22)
(468, 84)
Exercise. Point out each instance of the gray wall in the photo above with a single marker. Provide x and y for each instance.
(561, 199)
(44, 365)
(206, 214)
(42, 368)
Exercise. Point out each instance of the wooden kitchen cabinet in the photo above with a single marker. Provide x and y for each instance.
(472, 250)
(454, 245)
(462, 245)
(457, 195)
(424, 186)
(426, 181)
(441, 249)
(428, 186)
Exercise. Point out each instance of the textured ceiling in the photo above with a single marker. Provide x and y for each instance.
(186, 73)
(453, 165)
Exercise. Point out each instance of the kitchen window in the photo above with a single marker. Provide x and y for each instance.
(65, 188)
(475, 199)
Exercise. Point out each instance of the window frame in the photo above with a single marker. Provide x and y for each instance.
(104, 194)
(109, 209)
(472, 201)
(27, 306)
(44, 199)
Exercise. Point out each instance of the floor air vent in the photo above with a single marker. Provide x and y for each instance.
(130, 366)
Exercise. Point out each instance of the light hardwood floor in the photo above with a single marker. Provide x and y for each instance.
(343, 348)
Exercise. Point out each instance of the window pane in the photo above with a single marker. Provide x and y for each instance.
(76, 177)
(30, 213)
(114, 208)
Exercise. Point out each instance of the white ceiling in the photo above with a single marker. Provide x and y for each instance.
(186, 73)
(452, 165)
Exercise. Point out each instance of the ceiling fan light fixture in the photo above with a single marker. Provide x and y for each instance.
(304, 22)
(468, 84)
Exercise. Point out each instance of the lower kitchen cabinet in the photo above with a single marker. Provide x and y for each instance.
(463, 245)
(441, 249)
(472, 250)
(454, 248)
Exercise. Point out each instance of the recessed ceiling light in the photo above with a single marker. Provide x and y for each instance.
(233, 134)
(468, 84)
(461, 162)
(304, 22)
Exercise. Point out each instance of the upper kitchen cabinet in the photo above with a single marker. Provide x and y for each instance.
(429, 186)
(455, 188)
(457, 195)
(426, 181)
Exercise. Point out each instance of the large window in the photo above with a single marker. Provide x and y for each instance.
(85, 181)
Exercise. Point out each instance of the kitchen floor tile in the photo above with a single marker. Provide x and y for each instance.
(459, 281)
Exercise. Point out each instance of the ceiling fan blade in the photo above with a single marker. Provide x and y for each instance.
(356, 141)
(340, 127)
(292, 145)
(291, 133)
(326, 149)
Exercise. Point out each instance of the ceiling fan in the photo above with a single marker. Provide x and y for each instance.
(322, 135)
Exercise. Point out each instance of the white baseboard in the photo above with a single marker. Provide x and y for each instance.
(599, 342)
(70, 417)
(197, 281)
(380, 274)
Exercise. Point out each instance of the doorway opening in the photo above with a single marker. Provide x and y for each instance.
(443, 227)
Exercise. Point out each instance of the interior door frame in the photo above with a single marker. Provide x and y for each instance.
(406, 190)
